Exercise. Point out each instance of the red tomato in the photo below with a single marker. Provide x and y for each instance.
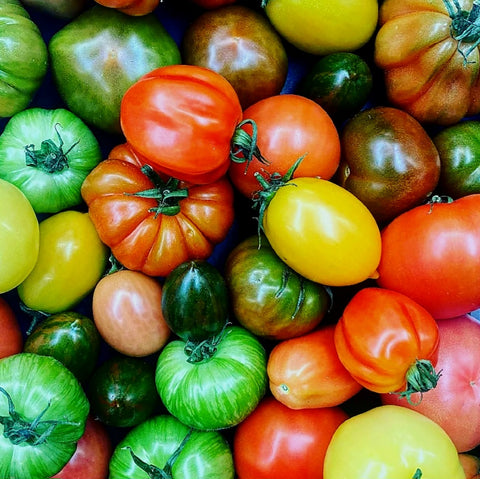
(288, 127)
(276, 442)
(431, 253)
(182, 118)
(127, 310)
(388, 342)
(92, 456)
(210, 4)
(11, 339)
(305, 372)
(470, 464)
(131, 7)
(455, 403)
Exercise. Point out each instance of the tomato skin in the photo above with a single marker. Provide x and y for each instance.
(347, 255)
(305, 372)
(180, 142)
(11, 341)
(131, 7)
(275, 442)
(431, 253)
(127, 310)
(470, 464)
(289, 126)
(381, 334)
(210, 4)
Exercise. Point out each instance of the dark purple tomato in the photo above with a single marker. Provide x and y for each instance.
(240, 44)
(388, 162)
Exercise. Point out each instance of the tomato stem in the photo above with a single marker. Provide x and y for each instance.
(244, 146)
(203, 350)
(418, 474)
(36, 316)
(420, 378)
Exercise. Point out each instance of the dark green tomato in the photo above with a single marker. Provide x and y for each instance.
(240, 44)
(100, 54)
(195, 301)
(70, 337)
(66, 9)
(459, 149)
(388, 161)
(341, 83)
(23, 58)
(269, 298)
(122, 391)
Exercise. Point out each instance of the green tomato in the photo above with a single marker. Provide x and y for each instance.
(48, 154)
(23, 58)
(19, 233)
(213, 385)
(71, 260)
(43, 410)
(100, 54)
(164, 444)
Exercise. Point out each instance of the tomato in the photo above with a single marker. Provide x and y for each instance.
(458, 146)
(122, 391)
(431, 253)
(63, 9)
(19, 232)
(321, 27)
(11, 341)
(153, 225)
(92, 455)
(388, 161)
(391, 442)
(97, 56)
(457, 388)
(215, 385)
(471, 465)
(240, 44)
(48, 154)
(71, 260)
(209, 4)
(70, 337)
(340, 83)
(275, 442)
(305, 372)
(430, 58)
(131, 7)
(23, 58)
(43, 411)
(321, 231)
(127, 310)
(181, 119)
(165, 447)
(269, 298)
(288, 127)
(388, 342)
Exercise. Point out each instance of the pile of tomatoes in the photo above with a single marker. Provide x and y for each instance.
(239, 239)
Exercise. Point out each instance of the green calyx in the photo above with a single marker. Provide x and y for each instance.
(418, 474)
(244, 147)
(50, 158)
(21, 431)
(167, 193)
(198, 351)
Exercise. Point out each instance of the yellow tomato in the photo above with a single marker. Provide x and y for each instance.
(323, 232)
(391, 442)
(321, 27)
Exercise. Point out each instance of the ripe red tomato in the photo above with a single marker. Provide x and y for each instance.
(131, 7)
(11, 339)
(275, 442)
(288, 127)
(431, 253)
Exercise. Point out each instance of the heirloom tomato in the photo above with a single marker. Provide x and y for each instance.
(431, 253)
(288, 127)
(321, 27)
(470, 464)
(127, 310)
(275, 442)
(388, 342)
(48, 154)
(391, 442)
(152, 225)
(429, 52)
(267, 297)
(43, 411)
(131, 7)
(163, 447)
(181, 119)
(11, 338)
(305, 372)
(457, 390)
(19, 236)
(209, 4)
(64, 9)
(71, 260)
(322, 231)
(213, 384)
